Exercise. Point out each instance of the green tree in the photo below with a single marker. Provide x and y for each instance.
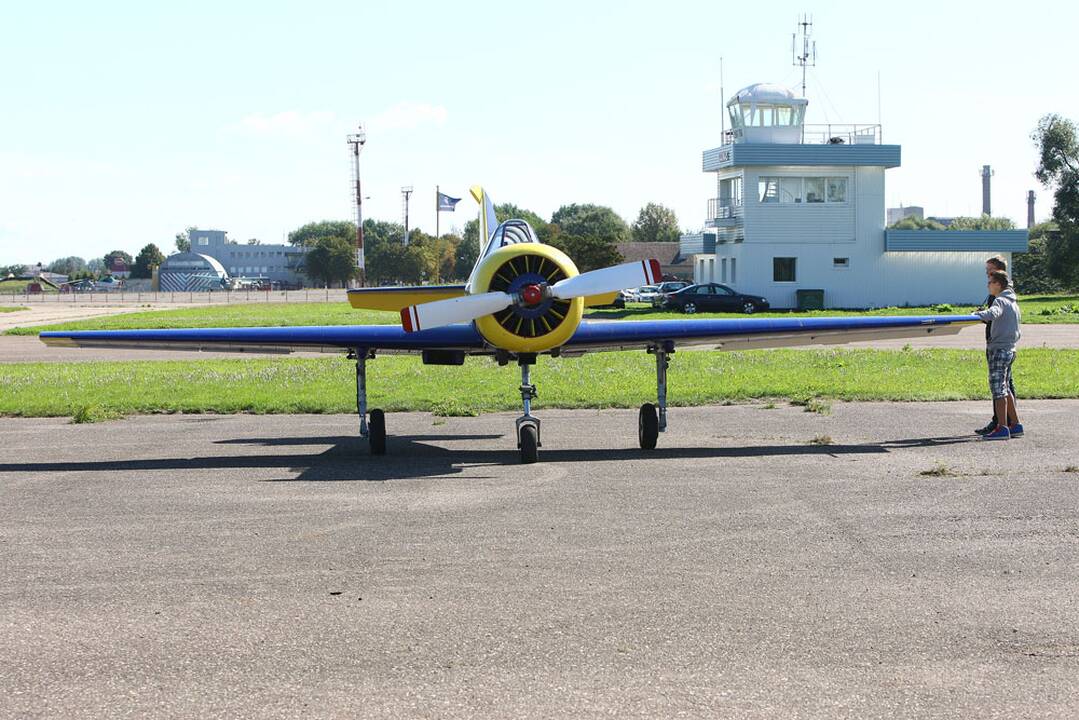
(67, 265)
(466, 253)
(388, 260)
(183, 239)
(11, 270)
(588, 253)
(309, 233)
(916, 223)
(149, 257)
(114, 254)
(1057, 140)
(330, 260)
(984, 222)
(656, 223)
(591, 221)
(1030, 270)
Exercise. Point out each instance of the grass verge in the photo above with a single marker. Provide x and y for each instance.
(601, 380)
(7, 309)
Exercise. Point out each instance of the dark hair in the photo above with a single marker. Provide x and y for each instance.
(1000, 278)
(999, 263)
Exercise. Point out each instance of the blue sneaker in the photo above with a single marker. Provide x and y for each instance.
(1001, 433)
(1016, 430)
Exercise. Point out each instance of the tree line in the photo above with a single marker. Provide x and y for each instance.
(588, 233)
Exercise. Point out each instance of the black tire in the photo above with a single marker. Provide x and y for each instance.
(749, 308)
(689, 308)
(376, 432)
(529, 444)
(648, 426)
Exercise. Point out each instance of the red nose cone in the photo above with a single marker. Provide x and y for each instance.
(532, 294)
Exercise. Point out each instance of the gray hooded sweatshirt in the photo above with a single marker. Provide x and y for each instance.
(1005, 318)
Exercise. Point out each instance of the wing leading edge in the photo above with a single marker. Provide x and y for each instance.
(757, 333)
(591, 336)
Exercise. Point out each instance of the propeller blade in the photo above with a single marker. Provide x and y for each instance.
(454, 310)
(607, 280)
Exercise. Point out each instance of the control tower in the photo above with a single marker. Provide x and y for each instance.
(765, 113)
(798, 216)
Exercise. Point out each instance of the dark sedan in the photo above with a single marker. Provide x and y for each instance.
(713, 297)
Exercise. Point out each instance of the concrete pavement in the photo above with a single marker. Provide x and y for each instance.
(224, 566)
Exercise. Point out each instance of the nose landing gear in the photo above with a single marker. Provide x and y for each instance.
(528, 426)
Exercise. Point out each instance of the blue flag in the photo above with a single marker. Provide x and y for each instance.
(447, 203)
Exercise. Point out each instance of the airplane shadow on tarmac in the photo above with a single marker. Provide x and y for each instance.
(411, 457)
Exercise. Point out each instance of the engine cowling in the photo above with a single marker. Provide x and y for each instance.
(527, 327)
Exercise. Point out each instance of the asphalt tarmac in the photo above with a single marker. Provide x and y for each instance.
(245, 566)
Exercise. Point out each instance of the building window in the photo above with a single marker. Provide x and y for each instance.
(841, 263)
(802, 189)
(783, 269)
(837, 189)
(734, 275)
(204, 241)
(768, 190)
(723, 270)
(815, 190)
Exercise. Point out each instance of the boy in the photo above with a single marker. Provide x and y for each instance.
(994, 263)
(1004, 334)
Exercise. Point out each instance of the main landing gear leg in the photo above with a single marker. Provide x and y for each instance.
(374, 431)
(528, 427)
(651, 421)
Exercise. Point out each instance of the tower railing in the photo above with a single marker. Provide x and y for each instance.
(830, 134)
(724, 208)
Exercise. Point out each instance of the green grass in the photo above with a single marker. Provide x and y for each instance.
(1039, 309)
(18, 287)
(6, 309)
(600, 380)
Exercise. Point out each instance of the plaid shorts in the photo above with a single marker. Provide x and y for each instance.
(1000, 373)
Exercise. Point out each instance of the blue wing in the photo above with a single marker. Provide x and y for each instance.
(326, 338)
(591, 336)
(753, 333)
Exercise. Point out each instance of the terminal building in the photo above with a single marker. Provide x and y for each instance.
(191, 272)
(276, 263)
(801, 208)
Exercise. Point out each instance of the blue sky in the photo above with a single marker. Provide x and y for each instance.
(125, 122)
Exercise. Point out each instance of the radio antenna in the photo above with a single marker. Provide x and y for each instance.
(808, 55)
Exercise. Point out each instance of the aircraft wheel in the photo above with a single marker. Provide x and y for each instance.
(376, 428)
(529, 444)
(648, 426)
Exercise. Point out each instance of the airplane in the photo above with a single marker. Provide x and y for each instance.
(523, 299)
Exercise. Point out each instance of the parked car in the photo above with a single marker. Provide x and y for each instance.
(713, 297)
(666, 288)
(645, 293)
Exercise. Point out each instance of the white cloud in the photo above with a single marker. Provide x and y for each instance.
(289, 122)
(408, 116)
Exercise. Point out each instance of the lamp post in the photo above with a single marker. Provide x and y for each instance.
(356, 141)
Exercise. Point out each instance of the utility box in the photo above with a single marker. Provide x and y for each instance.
(810, 299)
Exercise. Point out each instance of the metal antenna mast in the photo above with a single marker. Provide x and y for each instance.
(406, 192)
(808, 56)
(356, 142)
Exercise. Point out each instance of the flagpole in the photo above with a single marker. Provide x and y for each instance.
(437, 213)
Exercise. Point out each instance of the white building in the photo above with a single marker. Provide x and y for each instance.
(801, 207)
